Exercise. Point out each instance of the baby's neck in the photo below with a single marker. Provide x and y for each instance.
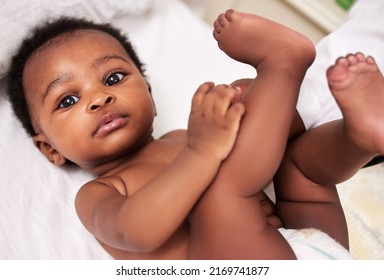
(115, 163)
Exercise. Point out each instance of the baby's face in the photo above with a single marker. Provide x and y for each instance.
(87, 99)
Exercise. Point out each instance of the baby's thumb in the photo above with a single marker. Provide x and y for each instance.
(235, 113)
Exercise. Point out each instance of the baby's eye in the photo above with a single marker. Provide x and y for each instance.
(114, 79)
(68, 101)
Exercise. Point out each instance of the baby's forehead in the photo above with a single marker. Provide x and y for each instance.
(75, 35)
(82, 40)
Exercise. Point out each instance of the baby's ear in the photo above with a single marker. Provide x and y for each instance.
(41, 142)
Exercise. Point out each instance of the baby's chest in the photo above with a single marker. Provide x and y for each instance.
(138, 177)
(147, 167)
(130, 180)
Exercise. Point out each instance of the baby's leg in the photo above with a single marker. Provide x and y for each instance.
(297, 125)
(358, 87)
(281, 57)
(342, 147)
(263, 43)
(228, 221)
(335, 151)
(226, 226)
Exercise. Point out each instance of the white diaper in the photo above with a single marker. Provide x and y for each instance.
(313, 244)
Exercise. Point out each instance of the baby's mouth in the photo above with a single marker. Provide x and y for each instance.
(109, 123)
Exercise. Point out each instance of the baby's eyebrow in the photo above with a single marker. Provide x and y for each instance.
(56, 81)
(108, 57)
(67, 77)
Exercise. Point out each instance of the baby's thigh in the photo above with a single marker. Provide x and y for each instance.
(223, 225)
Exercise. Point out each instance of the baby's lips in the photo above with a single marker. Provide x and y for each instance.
(109, 122)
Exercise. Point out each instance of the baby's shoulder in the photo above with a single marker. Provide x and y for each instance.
(175, 134)
(106, 185)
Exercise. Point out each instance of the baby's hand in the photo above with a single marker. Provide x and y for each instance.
(214, 120)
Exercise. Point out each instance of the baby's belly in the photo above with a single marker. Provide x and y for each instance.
(176, 248)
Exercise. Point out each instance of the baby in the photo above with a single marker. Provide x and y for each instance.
(91, 105)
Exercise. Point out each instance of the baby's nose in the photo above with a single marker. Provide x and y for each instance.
(100, 101)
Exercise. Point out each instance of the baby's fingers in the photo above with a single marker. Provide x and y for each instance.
(199, 96)
(234, 115)
(223, 96)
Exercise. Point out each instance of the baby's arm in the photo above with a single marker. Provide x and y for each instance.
(146, 219)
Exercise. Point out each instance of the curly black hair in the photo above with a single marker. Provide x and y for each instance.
(42, 35)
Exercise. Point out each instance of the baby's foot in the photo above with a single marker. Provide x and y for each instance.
(262, 43)
(358, 87)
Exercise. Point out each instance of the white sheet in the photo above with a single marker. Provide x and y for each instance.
(38, 220)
